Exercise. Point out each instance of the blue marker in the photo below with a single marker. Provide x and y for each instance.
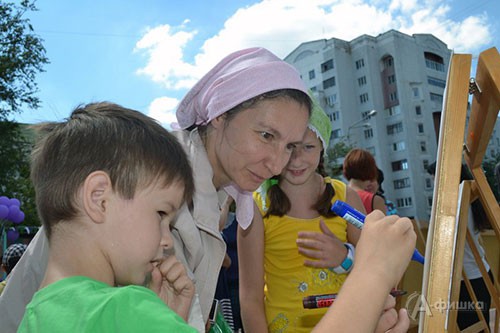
(357, 219)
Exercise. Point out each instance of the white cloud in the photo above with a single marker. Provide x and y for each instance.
(163, 110)
(281, 25)
(164, 48)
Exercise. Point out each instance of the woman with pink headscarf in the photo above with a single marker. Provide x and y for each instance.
(238, 125)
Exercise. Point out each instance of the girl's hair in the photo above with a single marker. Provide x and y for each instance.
(280, 204)
(360, 164)
(132, 148)
(292, 94)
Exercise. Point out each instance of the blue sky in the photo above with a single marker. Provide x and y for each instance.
(146, 54)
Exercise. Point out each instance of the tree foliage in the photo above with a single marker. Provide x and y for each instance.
(22, 57)
(14, 168)
(335, 154)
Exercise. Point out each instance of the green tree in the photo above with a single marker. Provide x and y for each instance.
(335, 154)
(22, 57)
(14, 168)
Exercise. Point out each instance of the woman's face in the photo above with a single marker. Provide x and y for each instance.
(256, 143)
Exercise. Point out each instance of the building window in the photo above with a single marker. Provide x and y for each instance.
(434, 62)
(313, 88)
(327, 65)
(423, 147)
(337, 133)
(312, 74)
(329, 83)
(360, 63)
(388, 62)
(437, 98)
(404, 202)
(401, 183)
(415, 92)
(436, 82)
(420, 127)
(429, 201)
(335, 115)
(331, 99)
(425, 164)
(394, 110)
(428, 183)
(418, 110)
(363, 98)
(400, 165)
(368, 133)
(362, 81)
(391, 79)
(399, 146)
(393, 96)
(371, 149)
(395, 128)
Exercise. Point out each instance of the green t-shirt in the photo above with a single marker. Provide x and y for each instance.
(81, 304)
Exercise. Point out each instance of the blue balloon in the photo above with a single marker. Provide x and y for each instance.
(18, 218)
(4, 201)
(13, 212)
(15, 202)
(4, 211)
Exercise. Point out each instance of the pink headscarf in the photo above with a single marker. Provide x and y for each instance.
(238, 77)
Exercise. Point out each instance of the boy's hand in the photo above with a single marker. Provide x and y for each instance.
(170, 281)
(324, 248)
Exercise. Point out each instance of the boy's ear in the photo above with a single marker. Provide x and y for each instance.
(96, 192)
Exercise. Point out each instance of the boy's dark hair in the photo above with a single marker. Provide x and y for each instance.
(279, 203)
(132, 148)
(360, 164)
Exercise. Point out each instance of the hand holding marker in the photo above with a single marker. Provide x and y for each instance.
(357, 219)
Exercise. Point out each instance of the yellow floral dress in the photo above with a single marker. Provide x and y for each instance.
(287, 280)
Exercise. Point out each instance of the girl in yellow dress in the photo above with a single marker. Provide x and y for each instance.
(307, 250)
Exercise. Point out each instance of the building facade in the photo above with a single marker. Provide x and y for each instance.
(403, 78)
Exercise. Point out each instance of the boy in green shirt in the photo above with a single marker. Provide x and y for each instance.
(108, 181)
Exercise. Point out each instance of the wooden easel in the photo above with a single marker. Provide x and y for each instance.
(448, 223)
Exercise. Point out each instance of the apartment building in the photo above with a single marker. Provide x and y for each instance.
(403, 79)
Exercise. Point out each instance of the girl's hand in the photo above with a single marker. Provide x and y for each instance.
(323, 248)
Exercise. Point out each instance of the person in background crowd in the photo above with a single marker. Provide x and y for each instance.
(9, 260)
(360, 170)
(375, 187)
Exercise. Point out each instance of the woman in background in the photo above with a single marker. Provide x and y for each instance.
(360, 170)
